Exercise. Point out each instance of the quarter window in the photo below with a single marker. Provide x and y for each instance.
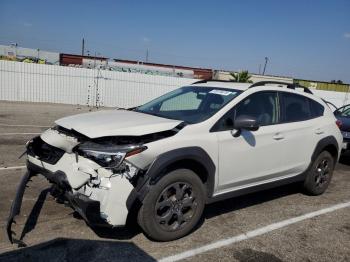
(296, 108)
(317, 109)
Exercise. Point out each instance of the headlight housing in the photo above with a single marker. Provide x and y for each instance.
(108, 155)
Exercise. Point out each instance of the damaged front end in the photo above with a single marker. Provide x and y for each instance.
(93, 175)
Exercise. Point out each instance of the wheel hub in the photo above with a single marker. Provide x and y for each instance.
(322, 171)
(175, 206)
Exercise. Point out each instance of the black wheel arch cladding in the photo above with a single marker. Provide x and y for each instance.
(328, 143)
(168, 159)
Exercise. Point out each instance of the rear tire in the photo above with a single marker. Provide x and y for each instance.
(320, 174)
(173, 206)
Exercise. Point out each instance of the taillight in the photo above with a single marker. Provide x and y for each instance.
(339, 123)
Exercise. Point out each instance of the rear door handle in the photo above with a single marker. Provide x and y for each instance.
(319, 131)
(278, 136)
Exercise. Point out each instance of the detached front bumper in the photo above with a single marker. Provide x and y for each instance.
(89, 209)
(100, 205)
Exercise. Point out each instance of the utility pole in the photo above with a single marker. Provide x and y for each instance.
(83, 47)
(147, 55)
(266, 60)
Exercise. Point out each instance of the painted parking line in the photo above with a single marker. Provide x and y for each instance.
(12, 167)
(22, 125)
(253, 233)
(18, 134)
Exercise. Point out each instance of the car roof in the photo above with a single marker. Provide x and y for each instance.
(230, 85)
(245, 86)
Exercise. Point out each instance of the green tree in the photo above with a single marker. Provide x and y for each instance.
(241, 77)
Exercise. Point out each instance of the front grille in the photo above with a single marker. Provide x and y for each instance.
(45, 152)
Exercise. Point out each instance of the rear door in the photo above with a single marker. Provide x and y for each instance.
(302, 128)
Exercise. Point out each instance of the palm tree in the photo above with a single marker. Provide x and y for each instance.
(241, 77)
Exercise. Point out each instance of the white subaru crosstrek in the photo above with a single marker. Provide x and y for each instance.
(197, 144)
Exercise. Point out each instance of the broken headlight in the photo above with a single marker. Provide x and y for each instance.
(107, 155)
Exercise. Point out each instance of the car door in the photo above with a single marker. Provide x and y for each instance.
(255, 156)
(302, 130)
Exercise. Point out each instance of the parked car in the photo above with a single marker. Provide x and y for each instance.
(198, 144)
(343, 116)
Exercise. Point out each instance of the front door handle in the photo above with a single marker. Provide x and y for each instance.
(278, 136)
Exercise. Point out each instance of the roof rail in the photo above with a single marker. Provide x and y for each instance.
(289, 85)
(212, 80)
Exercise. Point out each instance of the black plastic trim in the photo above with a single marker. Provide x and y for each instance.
(165, 160)
(261, 187)
(212, 80)
(322, 144)
(289, 85)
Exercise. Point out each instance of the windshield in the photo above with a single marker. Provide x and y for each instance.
(191, 104)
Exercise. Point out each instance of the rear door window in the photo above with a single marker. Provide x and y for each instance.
(295, 108)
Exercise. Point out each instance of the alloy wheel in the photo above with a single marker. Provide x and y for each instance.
(175, 206)
(322, 172)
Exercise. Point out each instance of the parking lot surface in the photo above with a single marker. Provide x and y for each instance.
(52, 232)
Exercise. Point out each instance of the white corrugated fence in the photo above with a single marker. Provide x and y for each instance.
(59, 84)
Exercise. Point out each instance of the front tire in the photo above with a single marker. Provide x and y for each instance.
(173, 206)
(320, 174)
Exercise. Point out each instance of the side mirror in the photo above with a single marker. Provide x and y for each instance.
(246, 122)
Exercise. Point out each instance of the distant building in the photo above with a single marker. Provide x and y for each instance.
(200, 73)
(132, 66)
(226, 75)
(319, 85)
(14, 52)
(78, 60)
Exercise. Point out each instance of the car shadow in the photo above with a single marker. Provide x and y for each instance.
(345, 158)
(64, 249)
(241, 202)
(33, 216)
(120, 233)
(132, 229)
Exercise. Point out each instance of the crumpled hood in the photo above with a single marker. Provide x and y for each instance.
(116, 123)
